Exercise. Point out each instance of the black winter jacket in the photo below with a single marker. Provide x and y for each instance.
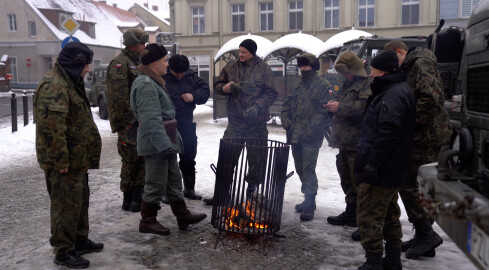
(386, 138)
(190, 83)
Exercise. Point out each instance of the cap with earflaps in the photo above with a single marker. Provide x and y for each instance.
(134, 36)
(74, 57)
(308, 59)
(349, 62)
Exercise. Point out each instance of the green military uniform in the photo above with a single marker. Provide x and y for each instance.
(121, 73)
(432, 129)
(66, 137)
(253, 89)
(305, 120)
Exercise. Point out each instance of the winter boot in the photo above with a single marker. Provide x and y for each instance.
(83, 246)
(126, 200)
(137, 197)
(300, 207)
(406, 245)
(72, 260)
(374, 261)
(309, 207)
(183, 215)
(189, 184)
(356, 236)
(426, 239)
(148, 222)
(164, 199)
(392, 259)
(348, 218)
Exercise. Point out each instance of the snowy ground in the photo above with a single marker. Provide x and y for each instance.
(24, 208)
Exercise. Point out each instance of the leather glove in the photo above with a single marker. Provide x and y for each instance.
(371, 174)
(251, 112)
(169, 153)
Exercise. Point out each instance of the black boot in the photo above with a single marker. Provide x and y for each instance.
(407, 244)
(72, 260)
(209, 201)
(126, 200)
(183, 215)
(83, 246)
(309, 207)
(347, 218)
(300, 206)
(137, 197)
(374, 261)
(392, 259)
(148, 222)
(189, 184)
(356, 236)
(426, 239)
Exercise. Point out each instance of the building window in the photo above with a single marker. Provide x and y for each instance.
(91, 31)
(198, 20)
(238, 17)
(13, 68)
(295, 15)
(366, 11)
(266, 16)
(12, 23)
(32, 28)
(201, 65)
(410, 12)
(467, 6)
(331, 13)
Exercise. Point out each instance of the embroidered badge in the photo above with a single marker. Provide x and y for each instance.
(133, 67)
(118, 65)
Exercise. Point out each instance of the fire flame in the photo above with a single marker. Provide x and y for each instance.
(234, 218)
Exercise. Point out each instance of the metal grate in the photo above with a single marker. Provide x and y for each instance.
(249, 188)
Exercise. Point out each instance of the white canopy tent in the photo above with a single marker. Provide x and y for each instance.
(339, 39)
(288, 46)
(232, 45)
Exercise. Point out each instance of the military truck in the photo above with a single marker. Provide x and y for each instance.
(455, 190)
(97, 92)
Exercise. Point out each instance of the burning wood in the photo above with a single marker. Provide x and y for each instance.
(247, 216)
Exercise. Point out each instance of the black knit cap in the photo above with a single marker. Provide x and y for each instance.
(73, 58)
(153, 52)
(250, 45)
(386, 61)
(179, 63)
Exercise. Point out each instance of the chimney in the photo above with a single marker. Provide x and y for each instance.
(146, 5)
(114, 5)
(103, 2)
(155, 8)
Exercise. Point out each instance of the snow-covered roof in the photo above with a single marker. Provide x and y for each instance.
(4, 58)
(289, 45)
(337, 40)
(120, 17)
(233, 45)
(151, 28)
(106, 28)
(161, 14)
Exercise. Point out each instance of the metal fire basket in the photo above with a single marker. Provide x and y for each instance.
(249, 187)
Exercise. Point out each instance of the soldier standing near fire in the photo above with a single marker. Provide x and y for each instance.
(187, 90)
(121, 73)
(305, 120)
(68, 144)
(433, 129)
(248, 83)
(348, 109)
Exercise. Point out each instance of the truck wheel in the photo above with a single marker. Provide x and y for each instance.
(102, 109)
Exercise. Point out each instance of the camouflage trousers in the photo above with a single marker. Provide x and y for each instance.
(256, 156)
(305, 160)
(69, 195)
(409, 195)
(378, 217)
(132, 169)
(162, 177)
(344, 164)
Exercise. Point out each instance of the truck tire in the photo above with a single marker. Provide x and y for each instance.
(102, 109)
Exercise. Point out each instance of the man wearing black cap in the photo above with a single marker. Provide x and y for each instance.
(67, 145)
(383, 161)
(120, 74)
(159, 142)
(248, 83)
(187, 89)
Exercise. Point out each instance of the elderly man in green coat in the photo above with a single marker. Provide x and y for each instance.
(159, 142)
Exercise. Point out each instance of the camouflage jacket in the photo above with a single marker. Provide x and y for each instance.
(347, 121)
(253, 84)
(432, 121)
(66, 135)
(303, 116)
(121, 73)
(152, 105)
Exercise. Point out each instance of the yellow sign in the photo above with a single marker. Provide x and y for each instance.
(70, 25)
